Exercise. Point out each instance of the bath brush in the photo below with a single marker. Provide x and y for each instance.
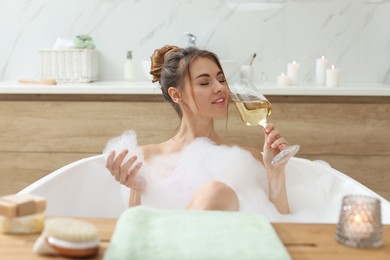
(68, 237)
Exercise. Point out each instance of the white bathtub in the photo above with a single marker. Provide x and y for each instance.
(85, 188)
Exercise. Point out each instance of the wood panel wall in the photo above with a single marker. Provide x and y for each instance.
(40, 134)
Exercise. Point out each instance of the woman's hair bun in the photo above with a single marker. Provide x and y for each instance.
(157, 60)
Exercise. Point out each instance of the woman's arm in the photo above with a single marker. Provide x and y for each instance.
(277, 190)
(135, 198)
(273, 144)
(275, 173)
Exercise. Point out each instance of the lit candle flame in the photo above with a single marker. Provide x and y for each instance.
(358, 218)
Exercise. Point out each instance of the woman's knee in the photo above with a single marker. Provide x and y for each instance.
(215, 195)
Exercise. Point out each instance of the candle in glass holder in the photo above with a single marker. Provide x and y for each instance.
(360, 222)
(359, 225)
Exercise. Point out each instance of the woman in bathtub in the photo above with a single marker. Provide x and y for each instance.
(198, 169)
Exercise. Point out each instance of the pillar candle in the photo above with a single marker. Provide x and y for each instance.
(293, 72)
(321, 65)
(283, 80)
(332, 77)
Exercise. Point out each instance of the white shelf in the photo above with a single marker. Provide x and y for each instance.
(350, 89)
(147, 88)
(100, 87)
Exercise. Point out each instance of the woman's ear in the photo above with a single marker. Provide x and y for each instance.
(175, 95)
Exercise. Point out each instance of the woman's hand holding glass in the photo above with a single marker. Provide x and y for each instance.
(125, 172)
(273, 144)
(254, 110)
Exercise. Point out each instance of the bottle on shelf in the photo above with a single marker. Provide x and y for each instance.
(129, 67)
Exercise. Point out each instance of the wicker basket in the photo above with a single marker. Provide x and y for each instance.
(69, 65)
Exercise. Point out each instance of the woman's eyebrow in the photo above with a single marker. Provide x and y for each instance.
(208, 75)
(203, 75)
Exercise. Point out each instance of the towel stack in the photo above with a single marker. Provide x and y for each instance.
(22, 213)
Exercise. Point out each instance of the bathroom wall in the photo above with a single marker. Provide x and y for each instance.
(353, 34)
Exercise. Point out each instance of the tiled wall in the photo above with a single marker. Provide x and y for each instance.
(353, 34)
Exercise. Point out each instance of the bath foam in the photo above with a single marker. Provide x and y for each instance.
(128, 140)
(173, 179)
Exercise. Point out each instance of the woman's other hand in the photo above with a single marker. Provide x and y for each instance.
(125, 172)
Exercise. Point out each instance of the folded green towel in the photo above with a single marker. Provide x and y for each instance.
(145, 233)
(83, 42)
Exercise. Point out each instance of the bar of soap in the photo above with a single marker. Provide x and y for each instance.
(22, 225)
(19, 205)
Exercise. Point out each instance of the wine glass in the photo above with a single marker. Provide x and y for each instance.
(254, 110)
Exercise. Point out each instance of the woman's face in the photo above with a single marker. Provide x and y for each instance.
(209, 88)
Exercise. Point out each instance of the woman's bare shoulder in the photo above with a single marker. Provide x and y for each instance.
(151, 150)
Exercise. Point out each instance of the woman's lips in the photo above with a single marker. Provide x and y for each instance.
(219, 101)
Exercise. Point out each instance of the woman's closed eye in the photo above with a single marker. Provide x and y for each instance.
(222, 80)
(206, 83)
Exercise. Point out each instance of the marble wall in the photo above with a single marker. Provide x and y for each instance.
(353, 34)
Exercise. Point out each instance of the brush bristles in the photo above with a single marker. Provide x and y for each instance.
(71, 230)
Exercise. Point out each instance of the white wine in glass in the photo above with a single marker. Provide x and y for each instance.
(254, 110)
